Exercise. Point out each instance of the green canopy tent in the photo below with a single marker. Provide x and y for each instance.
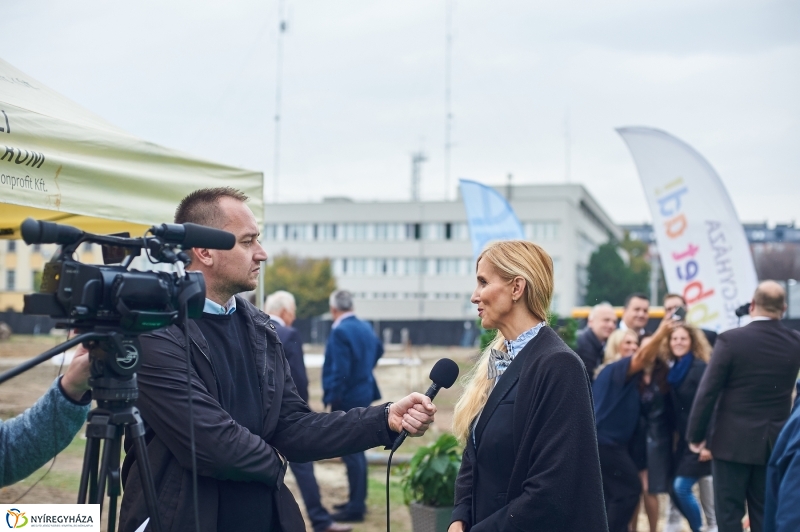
(60, 162)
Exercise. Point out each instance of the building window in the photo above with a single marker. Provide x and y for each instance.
(541, 231)
(413, 231)
(297, 231)
(270, 232)
(12, 246)
(11, 280)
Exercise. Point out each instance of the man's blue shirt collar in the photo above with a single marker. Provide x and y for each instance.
(215, 308)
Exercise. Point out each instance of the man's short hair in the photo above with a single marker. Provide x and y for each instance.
(341, 300)
(202, 206)
(278, 301)
(604, 304)
(772, 301)
(636, 295)
(671, 294)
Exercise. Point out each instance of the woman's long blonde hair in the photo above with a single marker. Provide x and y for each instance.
(611, 352)
(510, 259)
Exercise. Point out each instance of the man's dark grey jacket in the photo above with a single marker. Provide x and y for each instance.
(225, 450)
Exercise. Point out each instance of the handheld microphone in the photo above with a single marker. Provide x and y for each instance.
(443, 374)
(191, 235)
(38, 232)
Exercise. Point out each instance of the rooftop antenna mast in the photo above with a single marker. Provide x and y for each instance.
(417, 158)
(278, 86)
(567, 146)
(448, 114)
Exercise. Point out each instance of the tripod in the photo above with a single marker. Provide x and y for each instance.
(114, 361)
(115, 358)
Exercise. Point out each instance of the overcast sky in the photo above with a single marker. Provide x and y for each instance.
(364, 83)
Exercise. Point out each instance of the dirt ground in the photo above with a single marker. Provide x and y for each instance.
(58, 482)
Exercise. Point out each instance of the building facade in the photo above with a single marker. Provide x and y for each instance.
(413, 260)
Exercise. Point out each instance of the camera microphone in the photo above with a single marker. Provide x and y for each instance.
(38, 232)
(191, 235)
(443, 374)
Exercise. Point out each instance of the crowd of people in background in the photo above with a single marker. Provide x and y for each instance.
(682, 407)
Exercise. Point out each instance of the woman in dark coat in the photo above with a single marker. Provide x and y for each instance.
(530, 459)
(617, 407)
(651, 447)
(688, 352)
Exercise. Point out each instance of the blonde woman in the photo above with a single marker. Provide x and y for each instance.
(530, 459)
(621, 344)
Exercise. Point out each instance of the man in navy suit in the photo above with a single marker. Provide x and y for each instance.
(281, 308)
(351, 353)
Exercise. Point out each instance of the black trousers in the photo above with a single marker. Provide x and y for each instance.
(735, 483)
(621, 485)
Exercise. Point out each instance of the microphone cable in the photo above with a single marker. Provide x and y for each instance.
(388, 472)
(185, 311)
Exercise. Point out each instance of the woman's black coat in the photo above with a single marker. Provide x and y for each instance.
(553, 481)
(687, 462)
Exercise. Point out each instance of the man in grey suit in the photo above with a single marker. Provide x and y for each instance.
(748, 388)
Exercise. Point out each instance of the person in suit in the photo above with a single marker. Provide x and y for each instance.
(591, 340)
(673, 302)
(530, 457)
(748, 387)
(351, 353)
(282, 309)
(636, 313)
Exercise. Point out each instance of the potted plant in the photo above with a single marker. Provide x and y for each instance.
(429, 484)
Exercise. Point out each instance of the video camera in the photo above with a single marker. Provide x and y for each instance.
(112, 300)
(743, 310)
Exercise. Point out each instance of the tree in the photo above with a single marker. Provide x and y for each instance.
(610, 278)
(309, 280)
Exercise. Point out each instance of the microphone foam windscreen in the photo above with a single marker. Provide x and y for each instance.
(444, 372)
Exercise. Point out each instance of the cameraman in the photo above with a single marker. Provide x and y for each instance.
(32, 438)
(748, 389)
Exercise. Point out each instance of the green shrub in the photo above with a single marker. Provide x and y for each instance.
(430, 477)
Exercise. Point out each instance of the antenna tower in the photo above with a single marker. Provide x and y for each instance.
(448, 114)
(417, 158)
(278, 86)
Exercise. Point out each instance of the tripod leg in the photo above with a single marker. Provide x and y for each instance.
(137, 433)
(108, 448)
(113, 480)
(89, 458)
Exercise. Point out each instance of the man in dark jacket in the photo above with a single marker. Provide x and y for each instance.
(351, 353)
(248, 417)
(282, 309)
(592, 339)
(748, 387)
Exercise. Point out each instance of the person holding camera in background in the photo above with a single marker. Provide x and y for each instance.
(32, 438)
(748, 387)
